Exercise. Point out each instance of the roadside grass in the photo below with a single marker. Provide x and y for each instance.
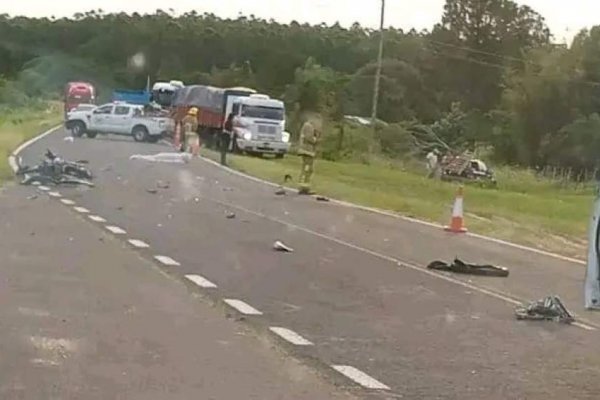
(522, 209)
(17, 126)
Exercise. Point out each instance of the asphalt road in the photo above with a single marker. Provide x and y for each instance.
(355, 287)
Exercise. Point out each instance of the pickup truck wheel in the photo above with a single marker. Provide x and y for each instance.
(91, 135)
(140, 134)
(78, 129)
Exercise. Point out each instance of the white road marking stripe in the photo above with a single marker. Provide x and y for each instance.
(67, 202)
(242, 307)
(115, 229)
(290, 336)
(502, 296)
(36, 183)
(81, 210)
(168, 261)
(54, 194)
(138, 243)
(96, 218)
(44, 188)
(12, 159)
(201, 281)
(360, 377)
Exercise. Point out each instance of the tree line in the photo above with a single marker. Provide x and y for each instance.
(487, 76)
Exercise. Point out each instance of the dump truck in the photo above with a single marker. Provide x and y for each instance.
(259, 121)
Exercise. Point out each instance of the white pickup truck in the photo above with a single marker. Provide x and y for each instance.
(119, 119)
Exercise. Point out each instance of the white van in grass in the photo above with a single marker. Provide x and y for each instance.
(259, 126)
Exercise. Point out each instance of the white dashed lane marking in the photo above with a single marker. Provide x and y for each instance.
(54, 194)
(242, 307)
(168, 261)
(201, 281)
(67, 202)
(115, 229)
(96, 218)
(81, 210)
(360, 377)
(138, 243)
(290, 336)
(44, 188)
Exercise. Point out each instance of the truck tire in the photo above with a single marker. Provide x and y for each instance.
(77, 129)
(140, 133)
(91, 135)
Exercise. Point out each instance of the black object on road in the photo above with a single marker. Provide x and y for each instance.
(322, 198)
(280, 192)
(56, 170)
(460, 267)
(550, 308)
(152, 191)
(230, 215)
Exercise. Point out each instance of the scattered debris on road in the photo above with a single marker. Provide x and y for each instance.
(69, 139)
(163, 185)
(280, 246)
(550, 308)
(32, 197)
(55, 170)
(227, 189)
(152, 191)
(460, 267)
(230, 215)
(322, 198)
(280, 192)
(172, 158)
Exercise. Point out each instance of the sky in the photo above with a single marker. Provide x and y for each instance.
(564, 17)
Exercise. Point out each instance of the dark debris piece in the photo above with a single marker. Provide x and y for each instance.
(152, 191)
(550, 308)
(322, 198)
(280, 192)
(460, 267)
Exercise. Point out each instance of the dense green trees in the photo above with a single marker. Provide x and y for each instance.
(487, 75)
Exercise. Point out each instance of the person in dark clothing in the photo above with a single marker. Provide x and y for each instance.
(225, 141)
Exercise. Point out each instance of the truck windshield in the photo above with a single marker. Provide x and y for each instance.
(263, 112)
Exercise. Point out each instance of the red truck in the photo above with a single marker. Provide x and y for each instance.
(77, 93)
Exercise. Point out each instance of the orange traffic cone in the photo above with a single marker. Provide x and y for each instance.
(457, 224)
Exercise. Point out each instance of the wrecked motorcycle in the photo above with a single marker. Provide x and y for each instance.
(56, 170)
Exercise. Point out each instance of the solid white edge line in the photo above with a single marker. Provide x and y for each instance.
(12, 159)
(140, 244)
(242, 307)
(404, 218)
(201, 281)
(81, 210)
(290, 336)
(67, 202)
(96, 218)
(502, 296)
(116, 230)
(360, 377)
(168, 261)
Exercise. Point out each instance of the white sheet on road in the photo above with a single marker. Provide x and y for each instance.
(173, 158)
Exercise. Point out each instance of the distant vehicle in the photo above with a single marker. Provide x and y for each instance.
(465, 168)
(137, 97)
(259, 126)
(164, 92)
(120, 119)
(77, 93)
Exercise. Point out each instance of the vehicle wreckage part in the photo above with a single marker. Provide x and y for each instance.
(592, 276)
(460, 267)
(550, 308)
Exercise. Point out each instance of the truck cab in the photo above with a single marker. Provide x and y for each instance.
(259, 126)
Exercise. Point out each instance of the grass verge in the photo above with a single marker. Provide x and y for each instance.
(20, 125)
(522, 209)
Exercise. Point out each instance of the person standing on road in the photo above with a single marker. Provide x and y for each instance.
(226, 136)
(310, 135)
(190, 130)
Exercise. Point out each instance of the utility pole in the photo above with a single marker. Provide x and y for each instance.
(377, 77)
